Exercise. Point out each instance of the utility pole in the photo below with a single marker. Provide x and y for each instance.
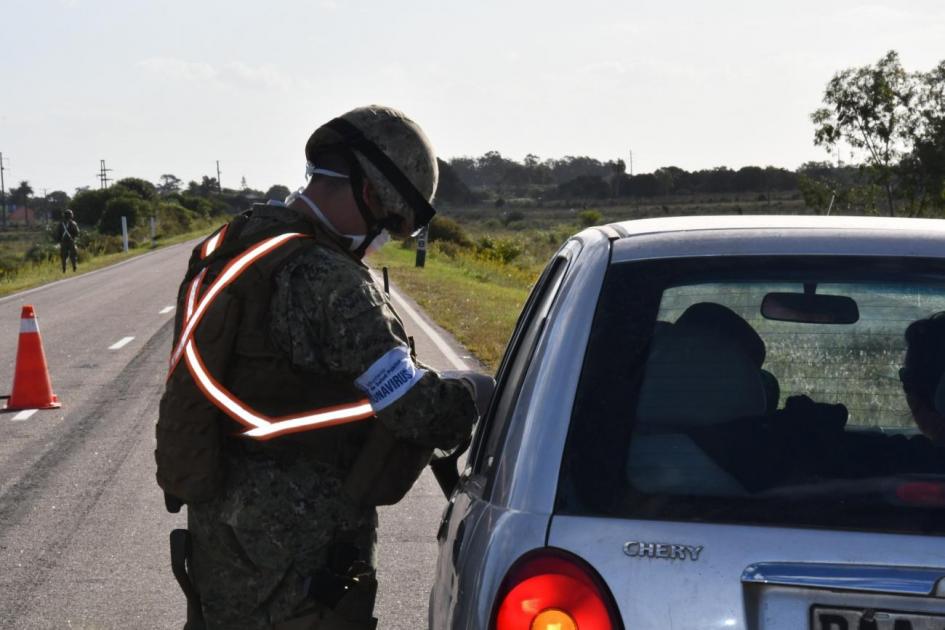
(631, 162)
(103, 174)
(219, 183)
(3, 194)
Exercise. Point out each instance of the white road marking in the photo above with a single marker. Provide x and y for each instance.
(437, 340)
(24, 415)
(121, 343)
(166, 309)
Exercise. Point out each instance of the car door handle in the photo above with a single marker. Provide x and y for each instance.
(849, 577)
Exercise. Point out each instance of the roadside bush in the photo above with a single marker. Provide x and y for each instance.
(89, 205)
(9, 265)
(174, 218)
(512, 215)
(446, 229)
(94, 244)
(41, 252)
(500, 249)
(588, 218)
(129, 207)
(198, 205)
(448, 248)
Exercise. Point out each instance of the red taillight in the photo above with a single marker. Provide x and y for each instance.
(552, 590)
(922, 493)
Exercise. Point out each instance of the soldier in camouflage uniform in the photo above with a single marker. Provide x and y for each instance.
(288, 542)
(66, 234)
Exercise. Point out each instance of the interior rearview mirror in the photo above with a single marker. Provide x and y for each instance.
(810, 308)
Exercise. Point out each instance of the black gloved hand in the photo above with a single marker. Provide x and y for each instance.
(811, 434)
(805, 415)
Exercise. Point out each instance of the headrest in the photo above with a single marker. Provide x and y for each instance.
(694, 378)
(724, 322)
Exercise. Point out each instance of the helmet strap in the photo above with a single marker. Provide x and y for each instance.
(353, 139)
(373, 225)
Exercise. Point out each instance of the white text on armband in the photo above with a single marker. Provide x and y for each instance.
(389, 378)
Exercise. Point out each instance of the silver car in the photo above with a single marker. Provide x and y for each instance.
(702, 423)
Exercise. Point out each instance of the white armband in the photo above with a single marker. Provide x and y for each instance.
(389, 378)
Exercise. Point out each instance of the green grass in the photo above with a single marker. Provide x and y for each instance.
(476, 302)
(34, 275)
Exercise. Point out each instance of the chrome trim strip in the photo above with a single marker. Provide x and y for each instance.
(846, 577)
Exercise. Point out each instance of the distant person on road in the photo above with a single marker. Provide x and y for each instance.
(295, 404)
(66, 234)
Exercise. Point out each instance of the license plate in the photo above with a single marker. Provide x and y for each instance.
(868, 619)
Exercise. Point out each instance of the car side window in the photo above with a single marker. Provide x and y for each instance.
(515, 365)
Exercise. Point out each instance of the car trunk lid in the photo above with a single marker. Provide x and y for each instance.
(684, 575)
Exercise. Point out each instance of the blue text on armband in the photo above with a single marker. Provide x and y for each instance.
(389, 378)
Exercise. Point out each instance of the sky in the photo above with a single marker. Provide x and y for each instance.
(172, 86)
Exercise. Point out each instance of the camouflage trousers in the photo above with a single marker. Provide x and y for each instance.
(68, 252)
(260, 547)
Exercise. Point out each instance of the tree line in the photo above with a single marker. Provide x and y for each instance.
(573, 177)
(887, 122)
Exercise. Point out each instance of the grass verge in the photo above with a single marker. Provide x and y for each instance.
(479, 313)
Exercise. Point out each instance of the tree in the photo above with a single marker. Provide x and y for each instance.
(21, 194)
(243, 185)
(924, 168)
(56, 202)
(169, 184)
(871, 109)
(89, 205)
(20, 197)
(278, 192)
(129, 206)
(750, 179)
(618, 169)
(451, 188)
(583, 187)
(137, 186)
(206, 186)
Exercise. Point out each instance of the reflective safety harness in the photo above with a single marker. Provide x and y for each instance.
(260, 426)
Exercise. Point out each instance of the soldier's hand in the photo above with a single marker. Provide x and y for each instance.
(480, 386)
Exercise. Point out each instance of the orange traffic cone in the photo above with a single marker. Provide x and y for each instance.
(31, 386)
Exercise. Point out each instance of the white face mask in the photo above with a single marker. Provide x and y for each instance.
(356, 239)
(378, 242)
(311, 169)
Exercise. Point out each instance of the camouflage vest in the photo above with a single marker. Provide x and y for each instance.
(228, 388)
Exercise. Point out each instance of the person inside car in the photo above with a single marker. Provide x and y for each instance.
(921, 376)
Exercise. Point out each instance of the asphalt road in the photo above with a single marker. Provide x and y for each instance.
(83, 529)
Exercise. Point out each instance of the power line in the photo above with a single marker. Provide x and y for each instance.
(103, 174)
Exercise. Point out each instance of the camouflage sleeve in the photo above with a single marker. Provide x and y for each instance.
(329, 316)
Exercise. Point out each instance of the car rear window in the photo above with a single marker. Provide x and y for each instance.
(695, 403)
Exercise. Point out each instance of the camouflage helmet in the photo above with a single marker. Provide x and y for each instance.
(404, 175)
